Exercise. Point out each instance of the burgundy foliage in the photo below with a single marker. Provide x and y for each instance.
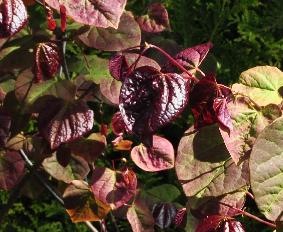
(5, 124)
(13, 17)
(150, 99)
(164, 214)
(47, 60)
(118, 66)
(118, 125)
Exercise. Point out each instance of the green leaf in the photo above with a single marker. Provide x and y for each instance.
(164, 192)
(261, 84)
(266, 171)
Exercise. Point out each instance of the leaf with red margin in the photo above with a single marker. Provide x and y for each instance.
(113, 187)
(13, 17)
(159, 157)
(156, 20)
(117, 123)
(219, 223)
(81, 205)
(64, 121)
(12, 169)
(222, 113)
(140, 217)
(143, 60)
(110, 90)
(127, 35)
(150, 99)
(92, 12)
(47, 60)
(89, 148)
(118, 66)
(77, 169)
(190, 58)
(5, 125)
(164, 214)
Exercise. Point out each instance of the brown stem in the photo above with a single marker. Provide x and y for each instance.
(250, 215)
(173, 61)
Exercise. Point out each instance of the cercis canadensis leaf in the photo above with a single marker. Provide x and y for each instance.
(164, 214)
(118, 66)
(92, 12)
(12, 169)
(64, 121)
(47, 60)
(156, 158)
(118, 125)
(219, 223)
(150, 99)
(13, 17)
(114, 187)
(156, 20)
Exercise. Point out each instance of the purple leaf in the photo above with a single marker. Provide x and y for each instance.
(5, 124)
(118, 125)
(150, 99)
(222, 113)
(64, 121)
(12, 169)
(164, 214)
(157, 158)
(47, 60)
(190, 58)
(113, 187)
(118, 66)
(13, 17)
(180, 216)
(156, 20)
(92, 12)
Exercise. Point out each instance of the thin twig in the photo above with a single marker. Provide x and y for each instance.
(48, 187)
(250, 215)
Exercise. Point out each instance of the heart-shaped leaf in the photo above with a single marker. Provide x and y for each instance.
(110, 90)
(118, 66)
(92, 12)
(81, 205)
(266, 170)
(156, 158)
(150, 99)
(12, 169)
(13, 17)
(127, 35)
(77, 169)
(206, 171)
(261, 84)
(47, 60)
(64, 121)
(156, 20)
(164, 214)
(140, 217)
(113, 187)
(117, 123)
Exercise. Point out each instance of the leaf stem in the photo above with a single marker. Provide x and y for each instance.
(64, 63)
(48, 187)
(250, 215)
(173, 61)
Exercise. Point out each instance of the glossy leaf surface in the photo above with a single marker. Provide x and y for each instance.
(126, 35)
(150, 99)
(13, 17)
(113, 187)
(95, 12)
(164, 214)
(12, 169)
(157, 158)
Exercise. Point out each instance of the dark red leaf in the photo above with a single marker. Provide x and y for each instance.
(150, 99)
(12, 169)
(164, 214)
(5, 124)
(219, 223)
(180, 216)
(51, 23)
(118, 125)
(222, 113)
(13, 17)
(47, 60)
(64, 121)
(114, 187)
(190, 58)
(63, 15)
(156, 20)
(118, 66)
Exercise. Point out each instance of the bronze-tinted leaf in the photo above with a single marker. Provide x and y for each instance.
(114, 187)
(94, 12)
(157, 158)
(127, 35)
(12, 169)
(13, 17)
(81, 205)
(156, 20)
(110, 90)
(64, 121)
(47, 60)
